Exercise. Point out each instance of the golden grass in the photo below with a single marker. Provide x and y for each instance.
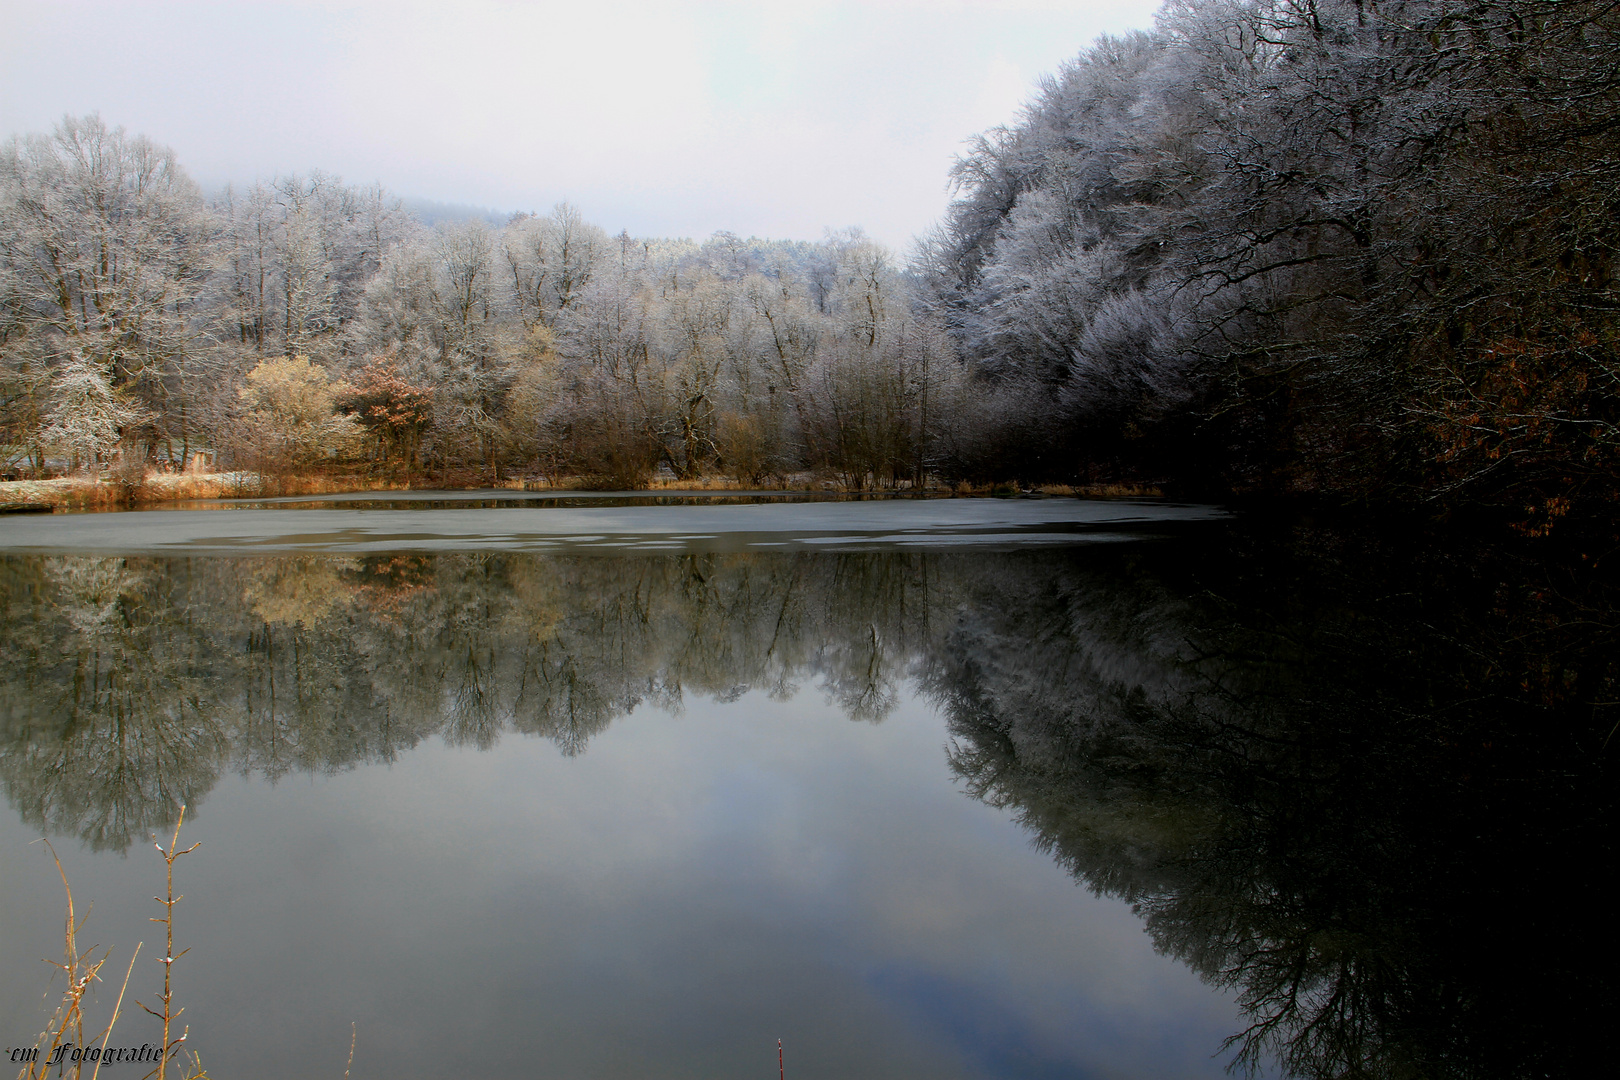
(63, 491)
(63, 1046)
(66, 1028)
(726, 483)
(804, 481)
(1079, 491)
(91, 493)
(1102, 491)
(794, 482)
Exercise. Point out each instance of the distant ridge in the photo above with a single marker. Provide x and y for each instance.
(431, 212)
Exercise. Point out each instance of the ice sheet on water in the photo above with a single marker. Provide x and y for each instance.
(893, 523)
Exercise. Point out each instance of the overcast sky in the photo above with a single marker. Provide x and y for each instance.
(668, 119)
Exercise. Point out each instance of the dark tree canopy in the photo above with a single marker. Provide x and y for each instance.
(1290, 246)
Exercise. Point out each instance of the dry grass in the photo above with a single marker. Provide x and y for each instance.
(92, 493)
(63, 1045)
(1102, 491)
(315, 484)
(797, 482)
(696, 483)
(65, 1033)
(793, 482)
(1079, 491)
(65, 1048)
(66, 491)
(170, 1047)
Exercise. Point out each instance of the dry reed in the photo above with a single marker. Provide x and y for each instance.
(1079, 491)
(63, 1043)
(91, 493)
(85, 492)
(169, 1048)
(66, 1027)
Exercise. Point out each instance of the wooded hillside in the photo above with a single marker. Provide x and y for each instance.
(1307, 245)
(1272, 246)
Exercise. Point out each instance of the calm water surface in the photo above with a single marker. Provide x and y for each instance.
(1010, 788)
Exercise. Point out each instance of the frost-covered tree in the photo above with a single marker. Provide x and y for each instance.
(548, 261)
(436, 308)
(299, 253)
(1301, 246)
(88, 416)
(105, 246)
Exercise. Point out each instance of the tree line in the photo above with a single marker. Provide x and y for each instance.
(1271, 246)
(302, 323)
(1307, 246)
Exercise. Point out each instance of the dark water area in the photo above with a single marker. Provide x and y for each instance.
(1175, 793)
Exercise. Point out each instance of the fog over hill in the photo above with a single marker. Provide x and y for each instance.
(430, 212)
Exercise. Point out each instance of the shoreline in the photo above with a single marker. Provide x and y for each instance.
(71, 493)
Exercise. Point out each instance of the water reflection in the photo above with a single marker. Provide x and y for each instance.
(1367, 791)
(129, 683)
(1365, 787)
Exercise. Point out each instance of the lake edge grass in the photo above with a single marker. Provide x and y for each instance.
(82, 971)
(86, 492)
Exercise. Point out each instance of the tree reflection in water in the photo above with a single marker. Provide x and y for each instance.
(129, 684)
(1374, 802)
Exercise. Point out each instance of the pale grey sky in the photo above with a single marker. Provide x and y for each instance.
(669, 119)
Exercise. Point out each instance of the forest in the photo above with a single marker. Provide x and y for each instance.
(1271, 247)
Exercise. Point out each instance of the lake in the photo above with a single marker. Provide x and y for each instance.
(633, 786)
